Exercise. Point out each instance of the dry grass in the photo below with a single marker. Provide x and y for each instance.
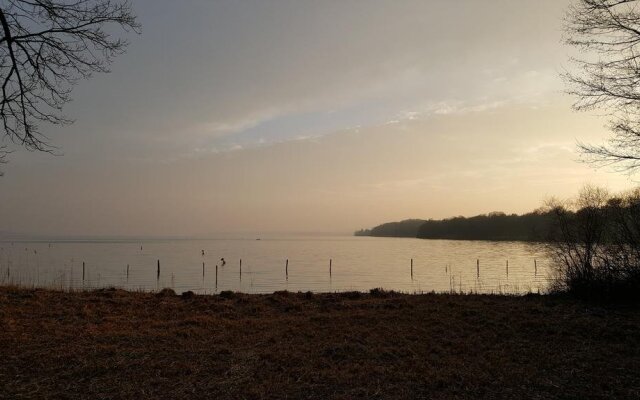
(121, 345)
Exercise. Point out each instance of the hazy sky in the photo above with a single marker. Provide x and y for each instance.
(327, 116)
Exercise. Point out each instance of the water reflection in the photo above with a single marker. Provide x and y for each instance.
(297, 264)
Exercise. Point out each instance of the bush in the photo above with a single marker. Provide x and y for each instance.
(188, 295)
(595, 242)
(166, 292)
(380, 292)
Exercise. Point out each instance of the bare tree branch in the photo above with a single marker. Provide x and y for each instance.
(46, 46)
(608, 33)
(3, 157)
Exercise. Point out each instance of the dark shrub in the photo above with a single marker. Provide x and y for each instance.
(595, 243)
(353, 295)
(166, 292)
(188, 295)
(379, 292)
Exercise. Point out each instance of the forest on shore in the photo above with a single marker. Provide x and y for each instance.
(532, 226)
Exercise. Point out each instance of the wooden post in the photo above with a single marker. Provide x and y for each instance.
(216, 276)
(286, 269)
(478, 267)
(412, 268)
(127, 271)
(83, 271)
(158, 275)
(203, 270)
(330, 262)
(535, 267)
(507, 267)
(241, 268)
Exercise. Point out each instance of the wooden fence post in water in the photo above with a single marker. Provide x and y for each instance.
(412, 269)
(158, 275)
(330, 265)
(83, 271)
(216, 276)
(127, 271)
(286, 269)
(507, 267)
(203, 270)
(241, 269)
(478, 267)
(535, 267)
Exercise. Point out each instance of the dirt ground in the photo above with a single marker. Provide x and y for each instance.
(112, 344)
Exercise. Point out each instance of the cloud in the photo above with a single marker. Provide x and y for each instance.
(214, 129)
(244, 69)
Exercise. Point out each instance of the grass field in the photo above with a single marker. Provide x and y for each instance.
(112, 344)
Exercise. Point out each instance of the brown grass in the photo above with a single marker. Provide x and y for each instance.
(112, 344)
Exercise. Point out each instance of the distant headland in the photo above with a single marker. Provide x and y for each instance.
(493, 226)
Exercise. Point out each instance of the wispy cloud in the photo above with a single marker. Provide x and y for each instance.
(219, 128)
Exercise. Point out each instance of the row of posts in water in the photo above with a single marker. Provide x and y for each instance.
(286, 269)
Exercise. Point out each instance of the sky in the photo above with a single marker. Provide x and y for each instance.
(312, 116)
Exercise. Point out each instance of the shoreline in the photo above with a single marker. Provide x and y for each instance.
(345, 292)
(112, 343)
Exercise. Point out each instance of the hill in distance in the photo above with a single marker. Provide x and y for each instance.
(493, 226)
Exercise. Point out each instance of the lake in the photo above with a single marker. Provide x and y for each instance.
(357, 263)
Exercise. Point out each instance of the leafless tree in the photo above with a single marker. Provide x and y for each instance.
(577, 240)
(3, 157)
(608, 77)
(46, 46)
(595, 242)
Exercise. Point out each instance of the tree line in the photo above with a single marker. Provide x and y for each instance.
(493, 226)
(593, 239)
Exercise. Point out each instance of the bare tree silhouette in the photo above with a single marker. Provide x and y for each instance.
(3, 157)
(608, 33)
(46, 46)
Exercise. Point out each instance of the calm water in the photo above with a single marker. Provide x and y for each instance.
(358, 263)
